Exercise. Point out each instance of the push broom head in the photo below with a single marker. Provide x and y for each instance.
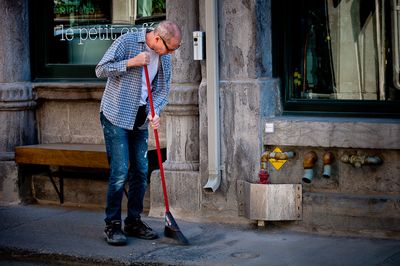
(172, 230)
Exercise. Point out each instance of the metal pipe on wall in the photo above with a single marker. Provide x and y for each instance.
(327, 161)
(359, 159)
(308, 163)
(214, 170)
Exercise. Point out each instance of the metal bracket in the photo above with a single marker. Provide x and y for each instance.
(60, 189)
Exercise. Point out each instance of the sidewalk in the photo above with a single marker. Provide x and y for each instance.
(49, 235)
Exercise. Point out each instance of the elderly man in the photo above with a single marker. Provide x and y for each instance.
(125, 115)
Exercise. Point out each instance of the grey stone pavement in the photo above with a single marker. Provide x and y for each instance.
(52, 235)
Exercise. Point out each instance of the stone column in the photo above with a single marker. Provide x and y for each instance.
(182, 121)
(248, 94)
(17, 121)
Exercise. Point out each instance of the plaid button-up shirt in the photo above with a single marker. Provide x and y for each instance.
(121, 97)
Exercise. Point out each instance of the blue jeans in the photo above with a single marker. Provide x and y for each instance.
(127, 157)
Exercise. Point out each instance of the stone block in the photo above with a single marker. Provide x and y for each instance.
(18, 121)
(371, 179)
(69, 122)
(14, 48)
(53, 126)
(78, 122)
(77, 191)
(340, 132)
(84, 122)
(183, 138)
(161, 133)
(185, 69)
(9, 182)
(82, 188)
(183, 194)
(351, 214)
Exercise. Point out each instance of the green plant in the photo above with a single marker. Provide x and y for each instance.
(158, 6)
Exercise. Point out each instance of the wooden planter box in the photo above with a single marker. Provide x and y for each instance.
(272, 202)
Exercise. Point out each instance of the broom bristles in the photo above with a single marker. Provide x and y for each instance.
(172, 230)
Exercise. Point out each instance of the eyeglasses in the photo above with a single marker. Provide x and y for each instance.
(166, 46)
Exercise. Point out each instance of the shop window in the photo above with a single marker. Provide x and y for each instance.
(338, 57)
(69, 37)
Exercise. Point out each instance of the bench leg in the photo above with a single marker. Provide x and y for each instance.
(60, 189)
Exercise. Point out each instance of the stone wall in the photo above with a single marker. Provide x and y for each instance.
(248, 94)
(353, 201)
(69, 113)
(359, 201)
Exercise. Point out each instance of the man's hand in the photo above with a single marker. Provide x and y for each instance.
(140, 60)
(154, 121)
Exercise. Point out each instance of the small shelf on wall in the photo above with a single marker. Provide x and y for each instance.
(272, 202)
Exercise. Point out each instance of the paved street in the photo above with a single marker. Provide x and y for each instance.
(50, 235)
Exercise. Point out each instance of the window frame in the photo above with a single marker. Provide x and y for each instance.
(281, 29)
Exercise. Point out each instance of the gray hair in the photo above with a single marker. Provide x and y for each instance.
(168, 29)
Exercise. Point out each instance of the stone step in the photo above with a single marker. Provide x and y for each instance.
(350, 214)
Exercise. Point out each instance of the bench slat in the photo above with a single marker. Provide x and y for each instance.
(77, 155)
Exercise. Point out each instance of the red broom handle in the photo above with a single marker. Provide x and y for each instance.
(164, 187)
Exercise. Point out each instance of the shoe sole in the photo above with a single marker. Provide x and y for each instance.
(114, 242)
(140, 236)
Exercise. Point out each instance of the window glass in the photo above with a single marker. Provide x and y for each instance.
(342, 50)
(84, 29)
(71, 36)
(80, 31)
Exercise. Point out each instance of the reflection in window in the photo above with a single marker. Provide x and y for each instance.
(342, 50)
(144, 8)
(84, 29)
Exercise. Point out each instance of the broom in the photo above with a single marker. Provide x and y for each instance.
(171, 229)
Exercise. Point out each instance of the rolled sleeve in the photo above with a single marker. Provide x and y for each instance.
(113, 62)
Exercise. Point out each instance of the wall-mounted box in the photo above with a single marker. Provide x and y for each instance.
(199, 45)
(272, 202)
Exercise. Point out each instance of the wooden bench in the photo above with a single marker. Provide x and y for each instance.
(70, 155)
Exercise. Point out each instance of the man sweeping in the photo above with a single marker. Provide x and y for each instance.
(125, 116)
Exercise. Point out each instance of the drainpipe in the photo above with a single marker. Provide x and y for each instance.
(214, 170)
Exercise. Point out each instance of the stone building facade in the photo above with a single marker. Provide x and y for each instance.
(354, 200)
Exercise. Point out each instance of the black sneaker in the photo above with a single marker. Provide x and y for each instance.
(139, 229)
(114, 235)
